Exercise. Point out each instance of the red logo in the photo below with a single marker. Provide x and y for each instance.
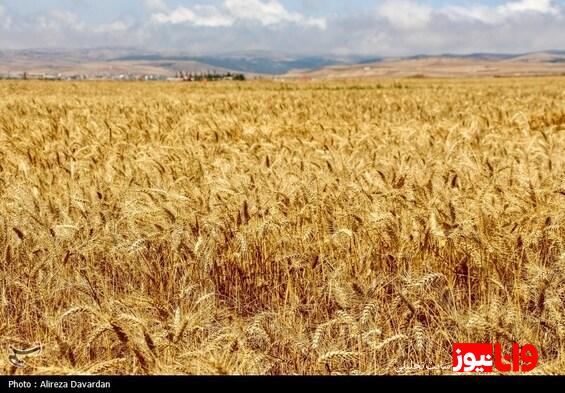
(480, 358)
(472, 358)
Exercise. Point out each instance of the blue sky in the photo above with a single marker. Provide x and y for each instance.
(376, 27)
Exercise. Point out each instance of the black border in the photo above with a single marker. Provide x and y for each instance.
(202, 383)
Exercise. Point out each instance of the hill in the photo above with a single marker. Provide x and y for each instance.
(448, 65)
(103, 63)
(115, 63)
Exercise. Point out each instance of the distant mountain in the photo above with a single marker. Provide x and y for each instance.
(256, 62)
(533, 56)
(132, 61)
(447, 65)
(275, 63)
(266, 65)
(554, 56)
(105, 63)
(476, 56)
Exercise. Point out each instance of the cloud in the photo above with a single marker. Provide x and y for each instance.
(200, 15)
(60, 19)
(155, 5)
(375, 28)
(114, 27)
(541, 6)
(501, 13)
(405, 14)
(60, 28)
(5, 20)
(269, 13)
(404, 27)
(265, 13)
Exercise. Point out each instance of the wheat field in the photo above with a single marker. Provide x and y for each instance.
(351, 227)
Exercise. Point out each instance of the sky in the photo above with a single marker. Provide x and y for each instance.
(339, 27)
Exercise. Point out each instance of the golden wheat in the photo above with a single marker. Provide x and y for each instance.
(347, 227)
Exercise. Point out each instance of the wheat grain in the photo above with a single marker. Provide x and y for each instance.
(329, 227)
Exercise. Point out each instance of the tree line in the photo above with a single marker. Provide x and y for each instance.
(209, 76)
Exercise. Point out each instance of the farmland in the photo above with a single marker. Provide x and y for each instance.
(347, 227)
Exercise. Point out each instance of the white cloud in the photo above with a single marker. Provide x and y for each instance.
(541, 6)
(389, 28)
(501, 13)
(114, 27)
(266, 13)
(269, 13)
(155, 5)
(475, 13)
(405, 14)
(60, 19)
(200, 15)
(5, 20)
